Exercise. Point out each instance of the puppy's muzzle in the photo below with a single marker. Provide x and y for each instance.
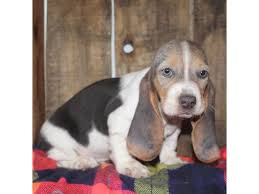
(187, 101)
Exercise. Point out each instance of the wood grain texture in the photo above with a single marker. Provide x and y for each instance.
(38, 68)
(148, 24)
(78, 47)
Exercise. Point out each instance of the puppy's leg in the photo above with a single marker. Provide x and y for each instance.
(168, 153)
(71, 160)
(65, 150)
(123, 161)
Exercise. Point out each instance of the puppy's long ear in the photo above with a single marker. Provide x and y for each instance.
(146, 132)
(203, 134)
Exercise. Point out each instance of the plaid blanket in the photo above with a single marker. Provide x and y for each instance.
(192, 178)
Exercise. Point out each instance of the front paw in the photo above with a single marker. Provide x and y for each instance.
(133, 168)
(171, 160)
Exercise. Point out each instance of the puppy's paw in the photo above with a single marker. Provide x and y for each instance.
(172, 159)
(78, 163)
(133, 168)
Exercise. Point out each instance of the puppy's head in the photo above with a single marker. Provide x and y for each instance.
(177, 86)
(181, 75)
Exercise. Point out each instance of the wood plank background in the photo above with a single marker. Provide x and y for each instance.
(78, 43)
(38, 68)
(78, 47)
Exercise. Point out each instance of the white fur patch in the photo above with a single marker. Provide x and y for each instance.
(132, 80)
(98, 146)
(168, 153)
(186, 59)
(66, 151)
(170, 106)
(59, 138)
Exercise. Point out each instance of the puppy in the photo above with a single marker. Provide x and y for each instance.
(137, 116)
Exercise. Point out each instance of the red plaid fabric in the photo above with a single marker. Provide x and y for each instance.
(105, 180)
(41, 161)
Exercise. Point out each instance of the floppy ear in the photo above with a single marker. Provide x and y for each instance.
(146, 133)
(203, 134)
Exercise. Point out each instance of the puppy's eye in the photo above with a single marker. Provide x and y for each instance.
(167, 72)
(203, 74)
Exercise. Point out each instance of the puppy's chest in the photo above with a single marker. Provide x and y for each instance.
(169, 129)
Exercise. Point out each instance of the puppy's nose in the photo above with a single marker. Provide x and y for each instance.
(187, 101)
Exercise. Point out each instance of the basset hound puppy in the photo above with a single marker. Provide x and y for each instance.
(138, 116)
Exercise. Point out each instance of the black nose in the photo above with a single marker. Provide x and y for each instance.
(187, 101)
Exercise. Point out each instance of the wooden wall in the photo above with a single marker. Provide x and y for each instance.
(78, 45)
(38, 67)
